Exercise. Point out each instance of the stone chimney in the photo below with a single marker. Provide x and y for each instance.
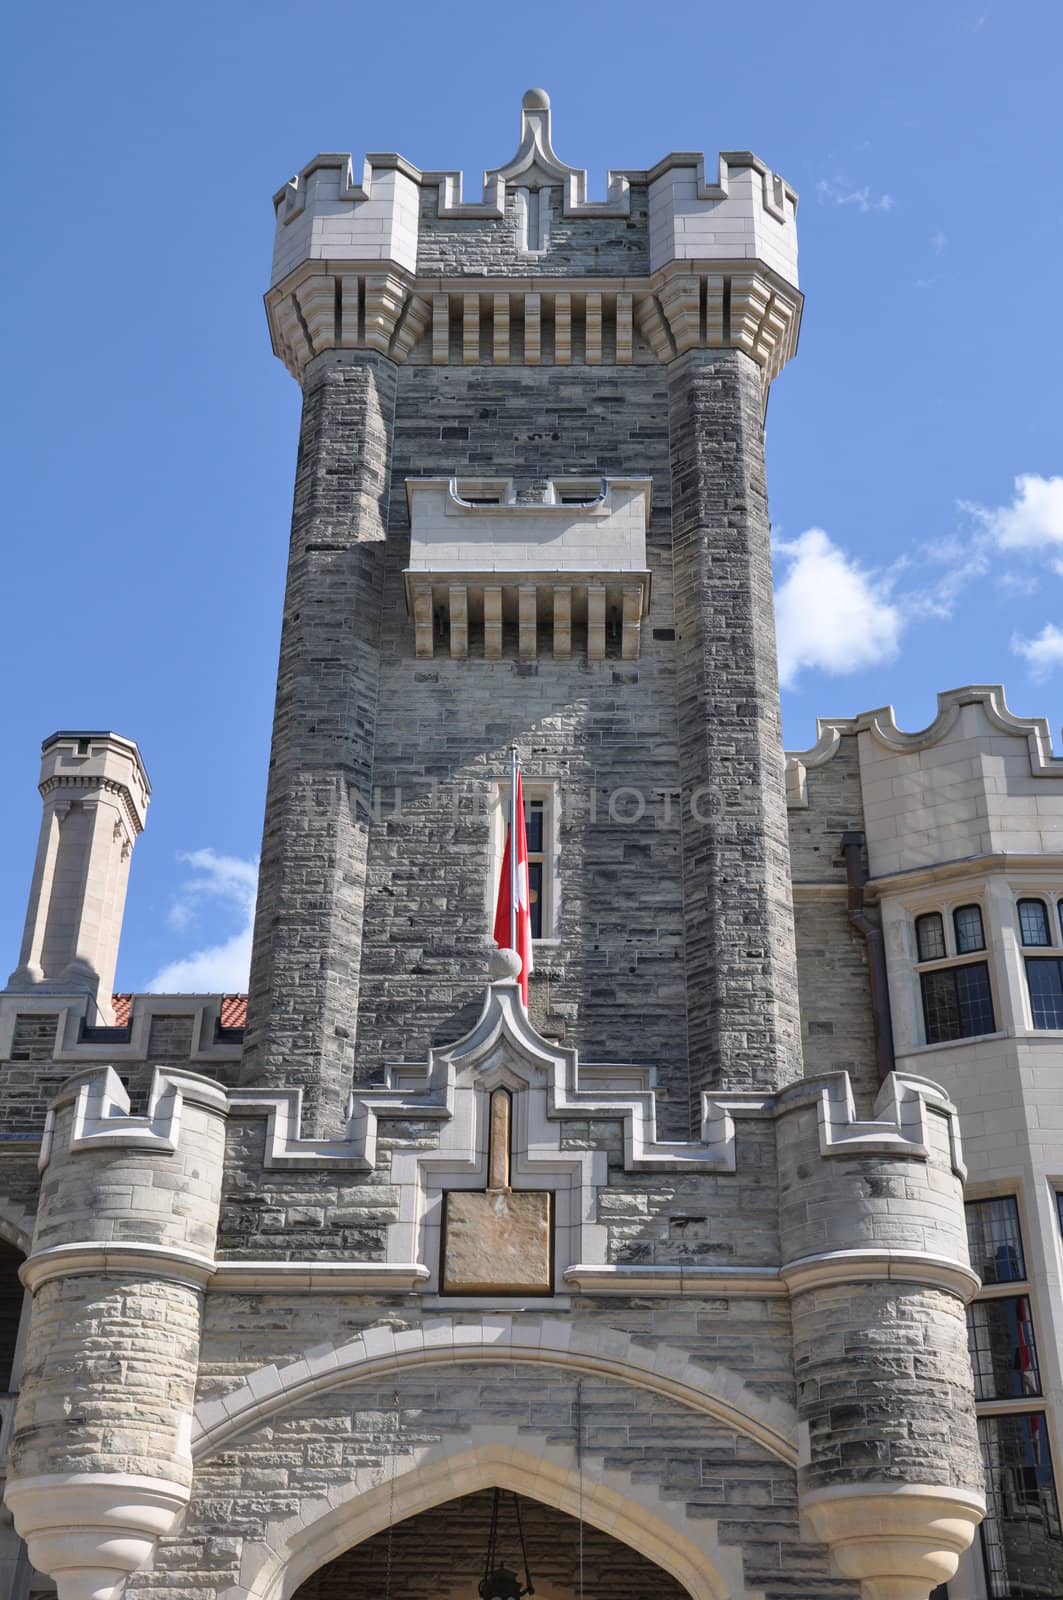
(95, 792)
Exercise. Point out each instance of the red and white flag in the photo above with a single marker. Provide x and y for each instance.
(513, 912)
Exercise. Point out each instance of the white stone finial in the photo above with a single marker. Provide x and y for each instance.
(95, 792)
(504, 966)
(536, 100)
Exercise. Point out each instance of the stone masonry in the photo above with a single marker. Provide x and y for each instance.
(720, 1346)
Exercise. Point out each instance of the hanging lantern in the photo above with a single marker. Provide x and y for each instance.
(502, 1585)
(500, 1582)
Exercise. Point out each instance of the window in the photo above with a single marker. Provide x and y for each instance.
(994, 1239)
(1044, 977)
(1033, 922)
(535, 826)
(970, 935)
(1021, 1537)
(930, 936)
(541, 818)
(1003, 1349)
(957, 1002)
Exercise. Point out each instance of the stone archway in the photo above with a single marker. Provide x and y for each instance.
(439, 1555)
(655, 1528)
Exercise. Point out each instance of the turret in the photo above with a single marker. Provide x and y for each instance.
(95, 792)
(100, 1461)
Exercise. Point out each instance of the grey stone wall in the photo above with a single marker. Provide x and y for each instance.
(303, 1001)
(577, 246)
(614, 986)
(741, 975)
(663, 1446)
(837, 1031)
(108, 1378)
(884, 1385)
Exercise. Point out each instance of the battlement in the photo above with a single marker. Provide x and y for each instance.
(690, 259)
(747, 212)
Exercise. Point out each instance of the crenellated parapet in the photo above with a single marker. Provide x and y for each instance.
(533, 270)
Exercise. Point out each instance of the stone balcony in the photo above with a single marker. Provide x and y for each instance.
(551, 562)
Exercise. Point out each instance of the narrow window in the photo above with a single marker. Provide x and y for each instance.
(541, 823)
(994, 1239)
(1021, 1537)
(1003, 1349)
(957, 1002)
(535, 825)
(930, 936)
(1044, 976)
(1033, 922)
(970, 935)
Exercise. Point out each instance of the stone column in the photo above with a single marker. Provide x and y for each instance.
(741, 966)
(303, 1002)
(95, 794)
(100, 1463)
(875, 1257)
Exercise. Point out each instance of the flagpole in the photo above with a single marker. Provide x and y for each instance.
(513, 847)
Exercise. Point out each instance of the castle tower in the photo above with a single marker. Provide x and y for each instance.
(530, 509)
(95, 792)
(309, 1307)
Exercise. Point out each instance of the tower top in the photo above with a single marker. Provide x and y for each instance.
(700, 258)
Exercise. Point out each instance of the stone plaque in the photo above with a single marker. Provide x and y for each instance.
(499, 1239)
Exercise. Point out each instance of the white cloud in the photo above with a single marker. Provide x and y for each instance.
(1043, 654)
(831, 614)
(1032, 521)
(227, 884)
(842, 192)
(938, 242)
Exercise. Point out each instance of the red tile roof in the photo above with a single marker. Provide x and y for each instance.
(233, 1010)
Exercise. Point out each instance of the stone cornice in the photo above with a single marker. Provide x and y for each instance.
(156, 1261)
(668, 1280)
(992, 864)
(831, 1267)
(380, 307)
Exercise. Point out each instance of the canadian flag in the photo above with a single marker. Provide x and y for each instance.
(513, 912)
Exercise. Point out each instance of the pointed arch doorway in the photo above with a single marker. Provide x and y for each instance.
(656, 1531)
(439, 1554)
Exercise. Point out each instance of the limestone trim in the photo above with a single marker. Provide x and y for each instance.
(327, 304)
(293, 1548)
(90, 1530)
(899, 1126)
(716, 1390)
(70, 1012)
(156, 1260)
(993, 863)
(881, 724)
(676, 1280)
(829, 1267)
(102, 1118)
(898, 1539)
(316, 1277)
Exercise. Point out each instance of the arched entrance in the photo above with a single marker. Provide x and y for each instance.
(439, 1555)
(655, 1529)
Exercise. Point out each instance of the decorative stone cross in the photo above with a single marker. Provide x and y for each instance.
(498, 1240)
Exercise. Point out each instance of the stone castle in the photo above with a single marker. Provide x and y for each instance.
(730, 1268)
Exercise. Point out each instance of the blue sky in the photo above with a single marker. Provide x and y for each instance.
(915, 447)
